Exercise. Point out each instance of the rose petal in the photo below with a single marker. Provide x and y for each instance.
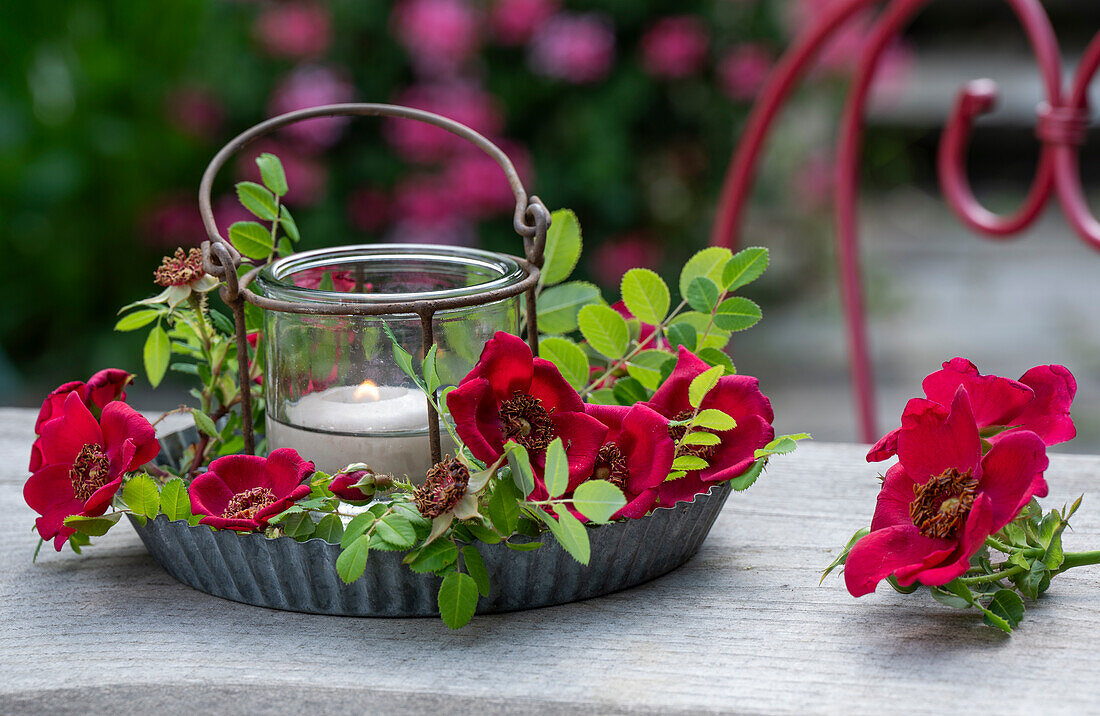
(974, 533)
(993, 399)
(739, 396)
(683, 489)
(295, 494)
(105, 386)
(506, 363)
(64, 436)
(887, 551)
(894, 499)
(477, 419)
(649, 450)
(582, 436)
(1011, 471)
(885, 448)
(737, 450)
(52, 405)
(121, 422)
(285, 470)
(548, 385)
(100, 500)
(611, 416)
(209, 494)
(934, 439)
(639, 506)
(48, 488)
(1048, 415)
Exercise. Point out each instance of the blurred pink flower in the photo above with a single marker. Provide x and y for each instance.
(575, 47)
(426, 211)
(195, 111)
(611, 259)
(479, 185)
(310, 86)
(812, 182)
(675, 47)
(368, 209)
(306, 177)
(227, 211)
(173, 220)
(514, 21)
(296, 30)
(743, 71)
(463, 102)
(439, 35)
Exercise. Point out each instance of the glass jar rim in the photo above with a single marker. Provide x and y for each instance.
(274, 281)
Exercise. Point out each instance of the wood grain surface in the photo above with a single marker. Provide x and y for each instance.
(742, 628)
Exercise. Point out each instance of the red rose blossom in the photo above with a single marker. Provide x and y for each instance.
(84, 462)
(241, 492)
(739, 397)
(943, 499)
(509, 395)
(636, 456)
(102, 388)
(1038, 402)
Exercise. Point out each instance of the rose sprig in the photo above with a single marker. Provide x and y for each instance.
(958, 512)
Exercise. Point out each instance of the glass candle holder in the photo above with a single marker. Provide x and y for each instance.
(333, 389)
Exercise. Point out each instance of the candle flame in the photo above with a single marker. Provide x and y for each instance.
(367, 391)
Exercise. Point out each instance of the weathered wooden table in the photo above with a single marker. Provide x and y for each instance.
(742, 628)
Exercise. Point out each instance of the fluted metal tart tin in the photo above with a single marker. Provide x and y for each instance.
(301, 576)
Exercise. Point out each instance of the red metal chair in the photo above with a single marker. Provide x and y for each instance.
(1061, 128)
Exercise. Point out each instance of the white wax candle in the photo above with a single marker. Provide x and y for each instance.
(385, 427)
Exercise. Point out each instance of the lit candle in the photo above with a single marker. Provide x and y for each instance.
(383, 426)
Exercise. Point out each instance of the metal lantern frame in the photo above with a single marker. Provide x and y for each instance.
(221, 259)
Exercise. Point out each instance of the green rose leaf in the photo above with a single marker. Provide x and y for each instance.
(156, 355)
(204, 423)
(702, 384)
(430, 370)
(288, 224)
(403, 358)
(457, 599)
(605, 330)
(137, 319)
(520, 462)
(475, 565)
(330, 529)
(258, 200)
(703, 294)
(689, 462)
(737, 314)
(628, 391)
(141, 495)
(352, 561)
(358, 525)
(746, 479)
(1008, 606)
(709, 262)
(714, 420)
(272, 174)
(745, 267)
(504, 507)
(557, 469)
(598, 500)
(397, 530)
(682, 334)
(433, 557)
(174, 500)
(563, 247)
(571, 534)
(714, 356)
(568, 357)
(299, 525)
(701, 439)
(558, 306)
(252, 239)
(646, 295)
(93, 526)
